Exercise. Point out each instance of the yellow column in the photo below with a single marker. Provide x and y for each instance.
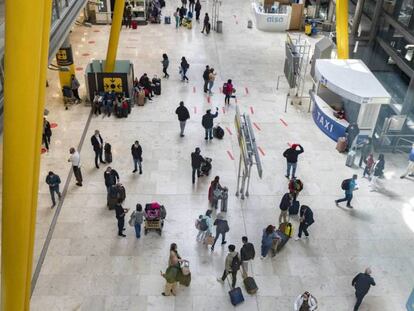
(342, 29)
(38, 140)
(64, 59)
(23, 49)
(114, 36)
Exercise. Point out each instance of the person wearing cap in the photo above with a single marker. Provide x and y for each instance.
(305, 302)
(268, 236)
(362, 283)
(207, 123)
(291, 155)
(410, 167)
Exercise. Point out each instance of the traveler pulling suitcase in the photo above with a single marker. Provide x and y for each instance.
(250, 285)
(350, 158)
(236, 296)
(341, 144)
(294, 208)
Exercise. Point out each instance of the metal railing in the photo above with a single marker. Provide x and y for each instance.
(403, 147)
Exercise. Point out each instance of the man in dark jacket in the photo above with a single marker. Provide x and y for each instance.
(120, 216)
(306, 219)
(351, 132)
(196, 160)
(205, 23)
(222, 227)
(362, 282)
(111, 178)
(291, 155)
(53, 181)
(284, 205)
(366, 149)
(136, 152)
(207, 123)
(183, 116)
(206, 74)
(47, 133)
(247, 253)
(97, 143)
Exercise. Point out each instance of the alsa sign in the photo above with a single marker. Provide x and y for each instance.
(275, 19)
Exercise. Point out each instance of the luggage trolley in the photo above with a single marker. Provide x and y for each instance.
(154, 217)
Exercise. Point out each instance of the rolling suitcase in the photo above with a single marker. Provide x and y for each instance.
(350, 158)
(341, 144)
(134, 24)
(141, 98)
(250, 284)
(294, 208)
(236, 296)
(249, 24)
(218, 132)
(167, 20)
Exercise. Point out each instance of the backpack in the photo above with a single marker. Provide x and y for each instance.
(225, 88)
(345, 184)
(235, 263)
(203, 224)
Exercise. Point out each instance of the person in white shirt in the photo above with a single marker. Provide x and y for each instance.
(306, 302)
(75, 160)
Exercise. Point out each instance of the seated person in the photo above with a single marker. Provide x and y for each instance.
(145, 83)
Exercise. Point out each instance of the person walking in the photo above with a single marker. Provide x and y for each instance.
(128, 16)
(74, 85)
(305, 221)
(53, 181)
(214, 188)
(291, 155)
(305, 302)
(47, 133)
(184, 3)
(191, 6)
(211, 78)
(284, 205)
(349, 185)
(120, 213)
(205, 23)
(171, 274)
(206, 74)
(232, 266)
(177, 18)
(205, 226)
(366, 149)
(136, 220)
(267, 240)
(183, 115)
(196, 160)
(410, 168)
(184, 68)
(222, 227)
(197, 10)
(362, 283)
(247, 253)
(351, 133)
(378, 172)
(136, 151)
(208, 122)
(75, 160)
(228, 91)
(369, 163)
(97, 143)
(165, 63)
(111, 178)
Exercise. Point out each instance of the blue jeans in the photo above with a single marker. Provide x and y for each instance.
(210, 85)
(293, 166)
(348, 198)
(52, 193)
(265, 249)
(209, 133)
(138, 230)
(137, 163)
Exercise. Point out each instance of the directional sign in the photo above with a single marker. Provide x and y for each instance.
(113, 84)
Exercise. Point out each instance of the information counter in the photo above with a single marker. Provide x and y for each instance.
(349, 88)
(273, 22)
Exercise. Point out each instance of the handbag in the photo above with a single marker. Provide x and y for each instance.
(131, 221)
(185, 267)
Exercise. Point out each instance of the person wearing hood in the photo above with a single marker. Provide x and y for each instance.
(232, 265)
(208, 122)
(291, 155)
(222, 227)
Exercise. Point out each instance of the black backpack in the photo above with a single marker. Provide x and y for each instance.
(218, 132)
(235, 263)
(203, 224)
(345, 184)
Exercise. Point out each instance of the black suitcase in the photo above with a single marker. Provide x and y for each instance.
(294, 208)
(284, 239)
(108, 157)
(236, 296)
(157, 88)
(218, 132)
(250, 284)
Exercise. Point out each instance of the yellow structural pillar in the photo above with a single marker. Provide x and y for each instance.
(24, 29)
(64, 59)
(38, 139)
(342, 29)
(114, 36)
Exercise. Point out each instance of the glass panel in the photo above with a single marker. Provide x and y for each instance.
(406, 11)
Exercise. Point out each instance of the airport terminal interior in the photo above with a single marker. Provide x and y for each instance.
(81, 263)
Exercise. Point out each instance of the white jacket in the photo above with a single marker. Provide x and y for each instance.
(313, 304)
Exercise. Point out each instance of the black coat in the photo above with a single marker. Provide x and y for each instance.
(207, 120)
(307, 214)
(221, 226)
(247, 252)
(379, 168)
(48, 129)
(111, 178)
(285, 203)
(291, 154)
(196, 160)
(362, 282)
(183, 114)
(136, 152)
(97, 144)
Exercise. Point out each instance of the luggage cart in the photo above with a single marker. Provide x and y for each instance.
(156, 225)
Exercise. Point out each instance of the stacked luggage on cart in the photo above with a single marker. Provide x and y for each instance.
(154, 217)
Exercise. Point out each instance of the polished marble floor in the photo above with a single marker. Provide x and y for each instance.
(87, 267)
